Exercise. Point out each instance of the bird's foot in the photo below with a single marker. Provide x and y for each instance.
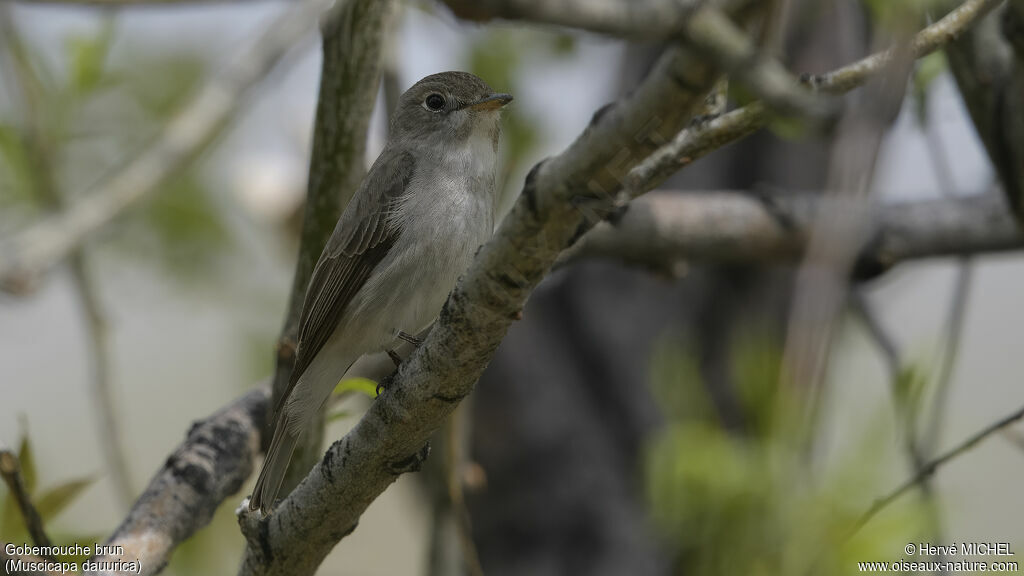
(395, 357)
(409, 338)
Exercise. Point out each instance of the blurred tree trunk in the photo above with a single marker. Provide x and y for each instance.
(561, 415)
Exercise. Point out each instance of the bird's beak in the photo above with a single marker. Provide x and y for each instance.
(492, 102)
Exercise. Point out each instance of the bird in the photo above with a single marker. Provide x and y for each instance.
(412, 227)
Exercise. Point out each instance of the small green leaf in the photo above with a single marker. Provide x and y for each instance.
(910, 386)
(87, 56)
(56, 499)
(928, 69)
(360, 385)
(27, 460)
(339, 415)
(12, 529)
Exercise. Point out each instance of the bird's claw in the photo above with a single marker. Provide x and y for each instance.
(402, 335)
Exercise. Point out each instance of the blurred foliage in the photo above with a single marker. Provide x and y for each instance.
(49, 502)
(926, 71)
(359, 385)
(89, 113)
(901, 16)
(749, 501)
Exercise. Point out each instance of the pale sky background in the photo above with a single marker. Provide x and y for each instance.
(178, 355)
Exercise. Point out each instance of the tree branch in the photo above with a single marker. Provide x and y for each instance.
(650, 20)
(27, 255)
(708, 134)
(213, 463)
(715, 35)
(663, 228)
(929, 469)
(10, 471)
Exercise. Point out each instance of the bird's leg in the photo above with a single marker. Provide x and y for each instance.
(409, 338)
(395, 357)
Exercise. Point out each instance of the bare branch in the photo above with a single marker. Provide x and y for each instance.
(24, 257)
(213, 463)
(10, 470)
(929, 469)
(741, 228)
(650, 20)
(708, 134)
(717, 37)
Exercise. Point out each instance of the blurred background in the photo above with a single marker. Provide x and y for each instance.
(628, 425)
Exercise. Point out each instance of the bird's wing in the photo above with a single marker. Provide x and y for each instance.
(359, 242)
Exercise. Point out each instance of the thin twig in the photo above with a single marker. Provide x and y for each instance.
(716, 36)
(710, 134)
(957, 311)
(103, 397)
(931, 467)
(10, 469)
(905, 410)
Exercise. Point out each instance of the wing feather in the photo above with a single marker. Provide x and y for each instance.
(361, 239)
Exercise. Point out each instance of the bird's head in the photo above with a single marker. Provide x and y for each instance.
(449, 107)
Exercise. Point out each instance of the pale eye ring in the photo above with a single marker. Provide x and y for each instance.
(434, 102)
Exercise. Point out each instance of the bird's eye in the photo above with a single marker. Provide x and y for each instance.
(434, 102)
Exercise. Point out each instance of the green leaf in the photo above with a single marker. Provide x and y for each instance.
(910, 386)
(87, 56)
(339, 415)
(928, 69)
(27, 460)
(16, 174)
(56, 499)
(359, 385)
(180, 228)
(161, 83)
(12, 529)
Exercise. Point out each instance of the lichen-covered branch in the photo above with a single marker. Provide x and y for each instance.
(27, 255)
(214, 461)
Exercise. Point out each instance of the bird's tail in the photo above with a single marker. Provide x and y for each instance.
(274, 467)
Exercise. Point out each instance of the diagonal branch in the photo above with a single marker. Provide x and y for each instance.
(29, 254)
(929, 469)
(10, 471)
(708, 134)
(214, 461)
